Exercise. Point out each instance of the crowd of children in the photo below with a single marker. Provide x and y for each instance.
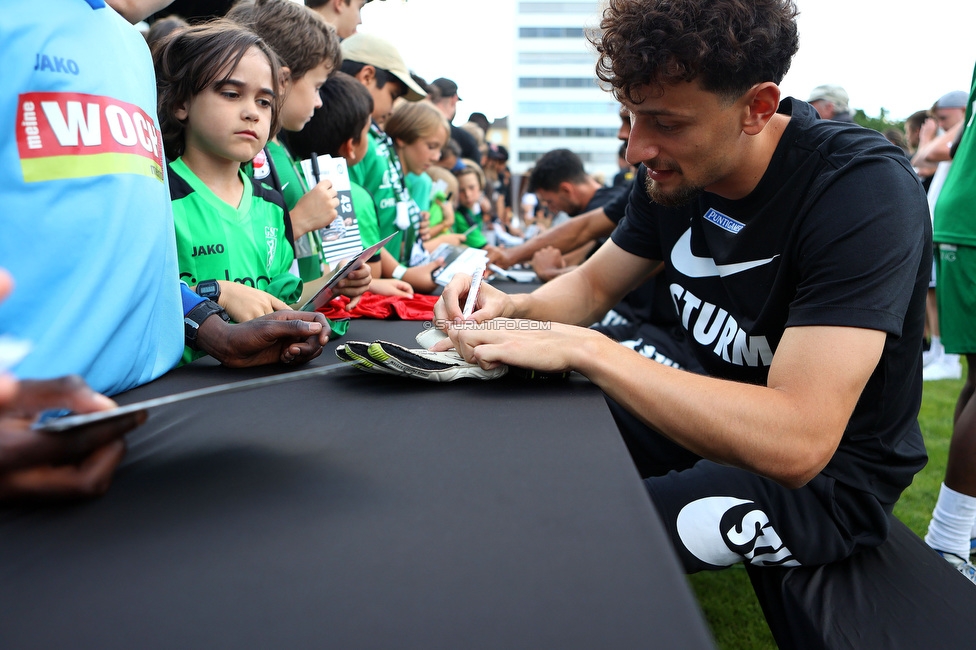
(244, 99)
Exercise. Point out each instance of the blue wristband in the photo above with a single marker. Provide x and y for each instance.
(190, 298)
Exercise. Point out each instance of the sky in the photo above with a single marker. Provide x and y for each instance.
(899, 55)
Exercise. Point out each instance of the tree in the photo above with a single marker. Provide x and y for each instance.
(880, 123)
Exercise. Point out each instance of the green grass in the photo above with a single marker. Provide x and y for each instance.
(726, 597)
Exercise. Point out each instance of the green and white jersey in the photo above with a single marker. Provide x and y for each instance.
(292, 184)
(372, 173)
(953, 219)
(362, 202)
(421, 188)
(381, 174)
(465, 219)
(217, 241)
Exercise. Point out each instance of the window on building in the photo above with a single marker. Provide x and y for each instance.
(558, 82)
(558, 8)
(558, 58)
(548, 108)
(594, 157)
(551, 32)
(566, 132)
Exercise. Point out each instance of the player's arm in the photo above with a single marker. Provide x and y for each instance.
(787, 430)
(584, 295)
(566, 236)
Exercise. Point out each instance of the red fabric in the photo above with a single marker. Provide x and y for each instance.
(371, 305)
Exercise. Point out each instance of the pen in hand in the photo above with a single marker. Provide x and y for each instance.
(315, 167)
(472, 300)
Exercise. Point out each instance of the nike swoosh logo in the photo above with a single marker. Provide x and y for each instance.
(692, 266)
(285, 185)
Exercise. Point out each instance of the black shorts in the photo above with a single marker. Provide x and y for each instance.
(717, 515)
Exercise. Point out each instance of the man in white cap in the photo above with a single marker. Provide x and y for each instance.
(950, 109)
(831, 103)
(377, 64)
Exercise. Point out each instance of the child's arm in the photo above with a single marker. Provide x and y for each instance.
(391, 287)
(355, 284)
(419, 277)
(316, 209)
(452, 238)
(447, 220)
(383, 286)
(244, 303)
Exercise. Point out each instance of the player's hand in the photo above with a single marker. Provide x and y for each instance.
(491, 303)
(57, 465)
(292, 337)
(548, 263)
(549, 347)
(498, 256)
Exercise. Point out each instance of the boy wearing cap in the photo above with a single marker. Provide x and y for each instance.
(377, 64)
(831, 103)
(446, 103)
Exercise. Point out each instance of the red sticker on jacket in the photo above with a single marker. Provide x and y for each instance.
(74, 135)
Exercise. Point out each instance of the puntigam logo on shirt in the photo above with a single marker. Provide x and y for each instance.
(75, 135)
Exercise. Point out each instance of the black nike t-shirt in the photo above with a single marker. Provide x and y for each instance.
(650, 302)
(836, 233)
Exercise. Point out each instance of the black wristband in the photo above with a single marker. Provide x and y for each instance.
(194, 319)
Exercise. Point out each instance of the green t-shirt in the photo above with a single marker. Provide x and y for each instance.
(420, 187)
(372, 174)
(218, 241)
(362, 203)
(292, 183)
(953, 221)
(293, 188)
(381, 175)
(463, 220)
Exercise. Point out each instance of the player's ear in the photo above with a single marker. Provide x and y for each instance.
(760, 104)
(285, 78)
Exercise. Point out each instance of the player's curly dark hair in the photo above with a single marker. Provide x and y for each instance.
(728, 45)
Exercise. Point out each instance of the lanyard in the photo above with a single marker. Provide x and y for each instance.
(400, 190)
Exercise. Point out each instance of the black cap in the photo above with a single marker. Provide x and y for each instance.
(497, 152)
(447, 87)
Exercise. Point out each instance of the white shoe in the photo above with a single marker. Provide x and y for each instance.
(961, 564)
(932, 355)
(946, 367)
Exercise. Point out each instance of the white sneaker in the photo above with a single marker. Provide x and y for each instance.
(932, 355)
(961, 565)
(946, 367)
